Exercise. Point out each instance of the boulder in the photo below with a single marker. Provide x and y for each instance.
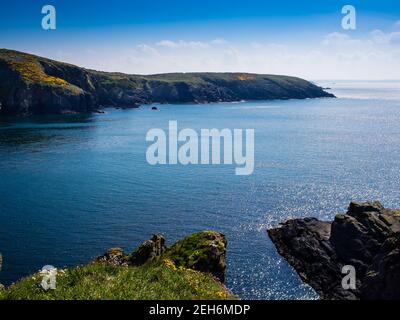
(114, 256)
(383, 278)
(362, 207)
(366, 237)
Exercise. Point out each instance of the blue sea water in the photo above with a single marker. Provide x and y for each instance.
(73, 186)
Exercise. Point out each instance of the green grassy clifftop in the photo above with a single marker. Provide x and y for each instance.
(150, 272)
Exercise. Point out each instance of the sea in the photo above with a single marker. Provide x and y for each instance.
(73, 186)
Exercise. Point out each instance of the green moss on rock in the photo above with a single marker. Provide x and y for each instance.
(203, 251)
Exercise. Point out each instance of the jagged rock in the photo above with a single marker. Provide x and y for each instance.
(114, 256)
(366, 237)
(203, 251)
(362, 207)
(148, 250)
(383, 279)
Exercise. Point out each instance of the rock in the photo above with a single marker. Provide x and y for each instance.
(114, 256)
(366, 237)
(363, 207)
(154, 108)
(203, 251)
(305, 244)
(148, 250)
(383, 279)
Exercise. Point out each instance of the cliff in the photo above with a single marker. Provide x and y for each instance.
(34, 85)
(192, 268)
(367, 238)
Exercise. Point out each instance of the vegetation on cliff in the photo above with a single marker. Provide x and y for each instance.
(154, 280)
(29, 68)
(34, 85)
(201, 251)
(115, 276)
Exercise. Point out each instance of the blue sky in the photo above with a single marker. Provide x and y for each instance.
(302, 38)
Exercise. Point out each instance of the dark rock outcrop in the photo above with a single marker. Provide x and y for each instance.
(367, 237)
(114, 256)
(148, 250)
(34, 85)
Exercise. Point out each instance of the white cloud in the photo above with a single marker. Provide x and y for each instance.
(395, 38)
(167, 43)
(379, 36)
(336, 38)
(191, 44)
(340, 39)
(386, 38)
(219, 41)
(397, 24)
(147, 49)
(182, 44)
(334, 56)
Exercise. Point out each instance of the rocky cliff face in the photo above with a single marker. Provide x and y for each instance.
(35, 85)
(203, 251)
(367, 237)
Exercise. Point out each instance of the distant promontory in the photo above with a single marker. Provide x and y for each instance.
(32, 85)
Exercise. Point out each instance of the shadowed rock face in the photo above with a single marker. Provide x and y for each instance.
(366, 237)
(148, 250)
(36, 85)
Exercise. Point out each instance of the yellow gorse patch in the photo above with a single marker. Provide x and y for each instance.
(245, 77)
(170, 264)
(31, 71)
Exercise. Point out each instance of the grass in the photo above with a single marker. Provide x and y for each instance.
(2, 293)
(193, 249)
(170, 276)
(159, 279)
(30, 70)
(395, 212)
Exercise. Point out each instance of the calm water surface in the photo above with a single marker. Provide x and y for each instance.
(73, 186)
